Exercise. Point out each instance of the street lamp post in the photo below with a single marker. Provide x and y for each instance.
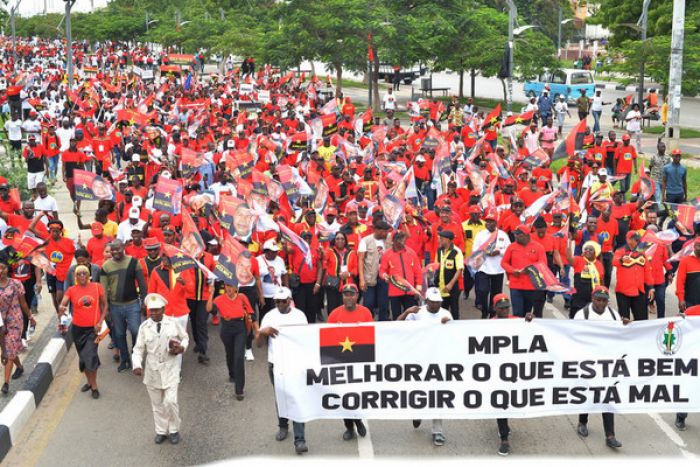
(69, 42)
(13, 12)
(512, 14)
(642, 23)
(561, 23)
(676, 73)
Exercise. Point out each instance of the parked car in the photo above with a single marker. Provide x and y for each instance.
(566, 82)
(408, 75)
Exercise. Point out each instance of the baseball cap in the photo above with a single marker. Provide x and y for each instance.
(283, 293)
(601, 292)
(501, 301)
(625, 137)
(136, 158)
(523, 229)
(271, 245)
(490, 215)
(603, 172)
(137, 201)
(474, 209)
(155, 300)
(349, 288)
(676, 152)
(331, 212)
(420, 158)
(151, 243)
(433, 294)
(97, 228)
(447, 234)
(134, 213)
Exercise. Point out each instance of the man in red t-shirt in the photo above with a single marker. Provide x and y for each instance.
(517, 257)
(60, 251)
(625, 157)
(351, 312)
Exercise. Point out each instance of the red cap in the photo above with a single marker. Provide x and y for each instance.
(350, 208)
(490, 215)
(97, 228)
(474, 209)
(632, 234)
(501, 297)
(523, 228)
(676, 152)
(601, 290)
(151, 242)
(625, 137)
(350, 288)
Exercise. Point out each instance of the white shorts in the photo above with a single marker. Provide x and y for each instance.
(33, 179)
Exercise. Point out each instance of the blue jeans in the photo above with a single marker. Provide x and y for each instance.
(625, 182)
(657, 192)
(282, 422)
(660, 300)
(526, 301)
(564, 279)
(377, 296)
(53, 166)
(596, 120)
(123, 317)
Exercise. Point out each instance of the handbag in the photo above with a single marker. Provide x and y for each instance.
(294, 278)
(247, 318)
(331, 282)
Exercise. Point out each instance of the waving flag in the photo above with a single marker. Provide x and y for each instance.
(572, 143)
(234, 263)
(645, 185)
(192, 242)
(684, 214)
(239, 163)
(90, 186)
(291, 237)
(191, 161)
(522, 119)
(492, 118)
(478, 256)
(298, 142)
(687, 250)
(542, 278)
(179, 259)
(168, 196)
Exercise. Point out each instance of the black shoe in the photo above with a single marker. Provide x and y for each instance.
(439, 439)
(582, 430)
(361, 428)
(159, 439)
(196, 349)
(124, 366)
(416, 423)
(174, 438)
(231, 379)
(110, 346)
(567, 304)
(5, 388)
(613, 443)
(347, 436)
(300, 446)
(282, 433)
(504, 448)
(18, 373)
(239, 397)
(86, 387)
(550, 299)
(680, 424)
(203, 359)
(115, 357)
(95, 394)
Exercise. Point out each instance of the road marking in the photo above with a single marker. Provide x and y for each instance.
(40, 440)
(672, 435)
(364, 445)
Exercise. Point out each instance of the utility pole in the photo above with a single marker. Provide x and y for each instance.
(69, 42)
(512, 15)
(13, 12)
(559, 34)
(675, 73)
(642, 23)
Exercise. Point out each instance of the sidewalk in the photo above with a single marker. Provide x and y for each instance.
(46, 322)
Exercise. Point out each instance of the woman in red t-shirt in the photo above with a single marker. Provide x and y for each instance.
(233, 307)
(89, 304)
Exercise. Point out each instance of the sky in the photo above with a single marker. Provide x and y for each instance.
(34, 7)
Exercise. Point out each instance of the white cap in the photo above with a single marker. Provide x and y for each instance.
(283, 293)
(134, 213)
(230, 144)
(433, 294)
(603, 171)
(166, 174)
(155, 300)
(271, 245)
(647, 170)
(420, 158)
(137, 201)
(213, 241)
(136, 158)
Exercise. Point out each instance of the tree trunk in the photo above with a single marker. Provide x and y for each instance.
(313, 67)
(505, 94)
(338, 78)
(461, 84)
(375, 82)
(473, 81)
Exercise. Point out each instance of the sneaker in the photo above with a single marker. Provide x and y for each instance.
(361, 428)
(613, 443)
(300, 446)
(347, 436)
(5, 388)
(174, 438)
(124, 366)
(18, 373)
(215, 320)
(504, 448)
(95, 394)
(550, 299)
(680, 424)
(582, 430)
(203, 359)
(438, 439)
(110, 347)
(160, 439)
(249, 355)
(416, 423)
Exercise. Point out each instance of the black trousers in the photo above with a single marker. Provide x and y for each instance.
(251, 293)
(636, 305)
(333, 298)
(503, 428)
(469, 283)
(307, 301)
(269, 305)
(487, 287)
(607, 268)
(608, 422)
(350, 423)
(400, 304)
(451, 303)
(198, 321)
(233, 335)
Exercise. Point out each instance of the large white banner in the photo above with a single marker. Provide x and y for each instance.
(487, 369)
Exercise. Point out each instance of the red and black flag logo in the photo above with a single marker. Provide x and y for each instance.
(330, 124)
(543, 278)
(493, 118)
(299, 141)
(168, 196)
(347, 344)
(179, 260)
(521, 119)
(572, 143)
(90, 186)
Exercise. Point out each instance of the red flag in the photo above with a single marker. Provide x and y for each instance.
(543, 279)
(572, 143)
(179, 259)
(299, 141)
(492, 118)
(168, 196)
(522, 119)
(234, 263)
(239, 163)
(192, 242)
(370, 52)
(90, 186)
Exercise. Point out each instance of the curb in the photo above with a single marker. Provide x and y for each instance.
(621, 87)
(15, 415)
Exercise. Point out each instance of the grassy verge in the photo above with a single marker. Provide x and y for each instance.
(685, 132)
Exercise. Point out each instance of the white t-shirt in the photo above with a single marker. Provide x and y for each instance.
(275, 319)
(271, 274)
(561, 108)
(65, 134)
(14, 129)
(47, 204)
(362, 247)
(424, 315)
(125, 228)
(532, 142)
(389, 102)
(492, 264)
(597, 104)
(593, 316)
(634, 125)
(32, 126)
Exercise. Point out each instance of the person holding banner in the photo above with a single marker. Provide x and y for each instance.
(284, 314)
(431, 311)
(401, 268)
(488, 280)
(632, 274)
(451, 264)
(598, 310)
(351, 312)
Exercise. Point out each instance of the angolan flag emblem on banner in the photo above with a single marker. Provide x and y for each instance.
(352, 344)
